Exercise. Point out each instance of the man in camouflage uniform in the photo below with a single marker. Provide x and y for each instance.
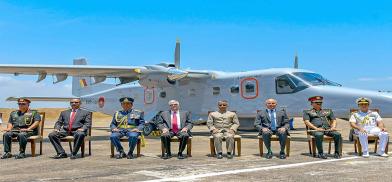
(223, 124)
(127, 122)
(22, 124)
(322, 122)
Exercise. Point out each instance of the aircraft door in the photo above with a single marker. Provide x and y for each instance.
(249, 88)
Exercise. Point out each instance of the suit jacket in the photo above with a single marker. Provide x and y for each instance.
(82, 120)
(263, 120)
(164, 120)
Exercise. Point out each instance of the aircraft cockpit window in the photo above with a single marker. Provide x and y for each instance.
(235, 89)
(215, 90)
(287, 84)
(249, 87)
(315, 79)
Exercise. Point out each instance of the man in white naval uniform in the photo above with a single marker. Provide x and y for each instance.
(366, 122)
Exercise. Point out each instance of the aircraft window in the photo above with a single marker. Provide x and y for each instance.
(192, 92)
(286, 84)
(162, 94)
(315, 79)
(235, 89)
(215, 90)
(249, 87)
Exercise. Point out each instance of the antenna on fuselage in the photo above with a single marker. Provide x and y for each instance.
(177, 54)
(296, 61)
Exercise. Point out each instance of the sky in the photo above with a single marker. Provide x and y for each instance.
(348, 42)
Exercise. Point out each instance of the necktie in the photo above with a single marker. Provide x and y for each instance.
(174, 123)
(273, 120)
(71, 120)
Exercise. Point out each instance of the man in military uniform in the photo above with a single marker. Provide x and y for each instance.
(322, 122)
(367, 122)
(175, 123)
(223, 124)
(22, 124)
(127, 122)
(72, 122)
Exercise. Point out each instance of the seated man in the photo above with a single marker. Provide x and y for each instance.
(322, 122)
(175, 123)
(127, 122)
(270, 122)
(72, 122)
(367, 122)
(22, 124)
(223, 124)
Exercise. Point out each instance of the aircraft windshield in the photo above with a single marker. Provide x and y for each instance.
(315, 79)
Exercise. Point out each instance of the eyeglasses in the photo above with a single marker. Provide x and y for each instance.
(173, 104)
(318, 103)
(74, 102)
(222, 105)
(22, 104)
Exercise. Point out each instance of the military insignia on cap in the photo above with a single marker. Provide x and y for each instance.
(315, 99)
(363, 100)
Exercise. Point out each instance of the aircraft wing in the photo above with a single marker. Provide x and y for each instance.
(50, 99)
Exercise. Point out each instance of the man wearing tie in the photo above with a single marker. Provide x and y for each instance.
(72, 122)
(272, 122)
(175, 123)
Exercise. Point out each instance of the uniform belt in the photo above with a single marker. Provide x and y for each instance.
(127, 126)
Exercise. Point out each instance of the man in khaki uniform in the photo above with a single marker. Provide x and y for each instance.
(223, 124)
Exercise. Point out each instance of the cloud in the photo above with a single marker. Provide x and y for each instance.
(370, 79)
(12, 87)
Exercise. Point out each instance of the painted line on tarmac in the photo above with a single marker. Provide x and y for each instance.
(194, 177)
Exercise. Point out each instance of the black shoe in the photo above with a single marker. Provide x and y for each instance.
(219, 156)
(337, 156)
(229, 156)
(269, 155)
(293, 129)
(180, 156)
(130, 156)
(21, 155)
(169, 155)
(73, 156)
(6, 155)
(322, 156)
(121, 155)
(282, 155)
(60, 156)
(165, 156)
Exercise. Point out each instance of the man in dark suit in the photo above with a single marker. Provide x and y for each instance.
(175, 123)
(72, 122)
(270, 122)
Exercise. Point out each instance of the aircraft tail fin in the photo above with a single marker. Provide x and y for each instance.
(86, 85)
(296, 61)
(177, 54)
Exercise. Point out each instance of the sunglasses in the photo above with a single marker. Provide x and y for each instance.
(222, 105)
(319, 103)
(74, 102)
(22, 104)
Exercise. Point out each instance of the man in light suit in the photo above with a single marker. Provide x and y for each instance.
(175, 123)
(223, 124)
(270, 122)
(72, 122)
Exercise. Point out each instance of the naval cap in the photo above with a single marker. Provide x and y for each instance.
(363, 100)
(24, 100)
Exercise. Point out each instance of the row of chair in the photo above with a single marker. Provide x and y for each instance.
(237, 144)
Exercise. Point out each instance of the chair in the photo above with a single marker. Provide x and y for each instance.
(36, 138)
(357, 144)
(237, 139)
(273, 138)
(125, 139)
(70, 139)
(176, 139)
